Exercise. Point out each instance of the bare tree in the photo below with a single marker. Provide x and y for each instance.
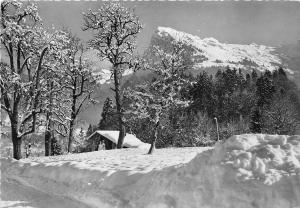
(55, 104)
(27, 45)
(280, 117)
(116, 31)
(152, 99)
(80, 82)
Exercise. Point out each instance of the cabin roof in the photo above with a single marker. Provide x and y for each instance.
(130, 140)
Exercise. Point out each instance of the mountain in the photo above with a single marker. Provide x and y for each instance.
(290, 54)
(210, 55)
(209, 52)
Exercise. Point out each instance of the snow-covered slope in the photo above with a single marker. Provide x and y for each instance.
(105, 75)
(212, 53)
(248, 171)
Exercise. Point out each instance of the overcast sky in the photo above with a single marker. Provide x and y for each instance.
(269, 23)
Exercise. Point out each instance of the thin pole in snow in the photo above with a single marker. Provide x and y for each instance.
(217, 125)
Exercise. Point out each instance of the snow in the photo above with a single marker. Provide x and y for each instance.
(264, 157)
(222, 54)
(105, 75)
(244, 171)
(21, 195)
(130, 140)
(5, 146)
(97, 178)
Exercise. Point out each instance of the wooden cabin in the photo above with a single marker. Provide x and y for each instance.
(106, 140)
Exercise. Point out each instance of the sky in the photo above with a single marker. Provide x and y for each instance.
(269, 23)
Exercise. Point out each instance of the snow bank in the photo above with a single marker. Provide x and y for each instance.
(264, 157)
(248, 171)
(95, 178)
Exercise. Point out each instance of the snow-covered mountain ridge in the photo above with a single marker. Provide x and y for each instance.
(209, 52)
(216, 54)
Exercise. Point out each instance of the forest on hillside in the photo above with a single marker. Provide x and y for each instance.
(237, 102)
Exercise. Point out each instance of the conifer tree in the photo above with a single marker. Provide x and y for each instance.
(254, 76)
(56, 147)
(108, 116)
(264, 90)
(202, 94)
(89, 131)
(256, 122)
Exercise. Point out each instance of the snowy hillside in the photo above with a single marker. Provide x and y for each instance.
(249, 171)
(212, 53)
(105, 76)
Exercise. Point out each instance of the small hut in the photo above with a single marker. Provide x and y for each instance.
(107, 140)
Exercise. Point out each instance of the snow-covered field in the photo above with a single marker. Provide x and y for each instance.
(245, 171)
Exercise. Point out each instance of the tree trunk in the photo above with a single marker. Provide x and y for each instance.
(71, 136)
(17, 148)
(73, 117)
(17, 144)
(52, 140)
(16, 140)
(48, 138)
(152, 147)
(117, 80)
(121, 134)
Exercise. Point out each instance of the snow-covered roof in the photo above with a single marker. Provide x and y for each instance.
(130, 140)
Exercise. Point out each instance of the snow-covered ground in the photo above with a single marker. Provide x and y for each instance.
(17, 194)
(94, 178)
(244, 171)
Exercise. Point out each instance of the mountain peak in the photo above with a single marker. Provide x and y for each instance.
(217, 54)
